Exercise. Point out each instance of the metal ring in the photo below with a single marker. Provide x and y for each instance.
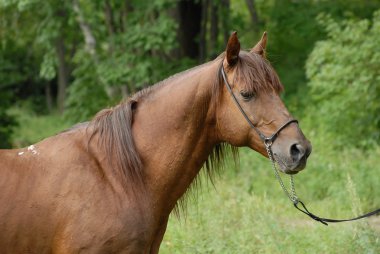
(268, 142)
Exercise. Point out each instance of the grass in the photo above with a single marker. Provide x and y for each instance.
(247, 211)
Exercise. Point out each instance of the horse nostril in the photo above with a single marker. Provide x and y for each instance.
(297, 152)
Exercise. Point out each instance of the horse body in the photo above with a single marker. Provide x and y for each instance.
(52, 204)
(67, 193)
(54, 193)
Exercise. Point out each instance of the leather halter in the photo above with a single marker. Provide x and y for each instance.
(267, 140)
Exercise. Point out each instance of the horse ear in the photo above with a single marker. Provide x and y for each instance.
(233, 49)
(260, 46)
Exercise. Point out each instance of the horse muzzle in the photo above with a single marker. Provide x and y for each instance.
(295, 159)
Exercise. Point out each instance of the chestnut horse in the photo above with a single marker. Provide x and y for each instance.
(109, 185)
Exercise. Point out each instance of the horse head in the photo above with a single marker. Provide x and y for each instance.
(250, 108)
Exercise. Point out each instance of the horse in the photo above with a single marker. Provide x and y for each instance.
(109, 185)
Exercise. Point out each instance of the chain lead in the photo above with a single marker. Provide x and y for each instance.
(291, 195)
(267, 140)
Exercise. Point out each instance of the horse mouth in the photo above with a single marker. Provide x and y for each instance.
(290, 172)
(289, 168)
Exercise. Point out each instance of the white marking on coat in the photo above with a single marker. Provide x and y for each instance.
(33, 149)
(20, 153)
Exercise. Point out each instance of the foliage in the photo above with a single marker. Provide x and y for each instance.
(293, 29)
(27, 31)
(30, 29)
(10, 74)
(125, 60)
(344, 74)
(7, 121)
(28, 131)
(132, 40)
(136, 44)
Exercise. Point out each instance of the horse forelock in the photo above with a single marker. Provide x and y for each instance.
(256, 74)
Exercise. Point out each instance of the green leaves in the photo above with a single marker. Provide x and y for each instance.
(129, 55)
(343, 73)
(48, 65)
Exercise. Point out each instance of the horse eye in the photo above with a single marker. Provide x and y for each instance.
(247, 95)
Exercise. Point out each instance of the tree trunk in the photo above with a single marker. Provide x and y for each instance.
(124, 91)
(190, 13)
(62, 73)
(86, 30)
(214, 30)
(203, 32)
(124, 12)
(109, 18)
(225, 5)
(254, 17)
(49, 97)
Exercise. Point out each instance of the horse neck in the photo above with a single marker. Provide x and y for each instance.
(174, 131)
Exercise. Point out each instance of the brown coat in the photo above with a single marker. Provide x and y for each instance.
(108, 186)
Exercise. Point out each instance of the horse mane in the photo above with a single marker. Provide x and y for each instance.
(114, 125)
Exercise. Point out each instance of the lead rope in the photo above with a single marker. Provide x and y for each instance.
(296, 201)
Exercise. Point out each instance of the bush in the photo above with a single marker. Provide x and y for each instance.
(344, 76)
(30, 126)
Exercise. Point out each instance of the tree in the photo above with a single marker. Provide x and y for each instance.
(189, 18)
(132, 40)
(42, 29)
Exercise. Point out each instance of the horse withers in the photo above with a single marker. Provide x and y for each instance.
(109, 185)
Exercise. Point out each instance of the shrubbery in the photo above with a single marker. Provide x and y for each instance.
(344, 81)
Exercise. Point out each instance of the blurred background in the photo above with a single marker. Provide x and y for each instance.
(62, 61)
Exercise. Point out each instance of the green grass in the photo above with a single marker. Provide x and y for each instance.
(248, 213)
